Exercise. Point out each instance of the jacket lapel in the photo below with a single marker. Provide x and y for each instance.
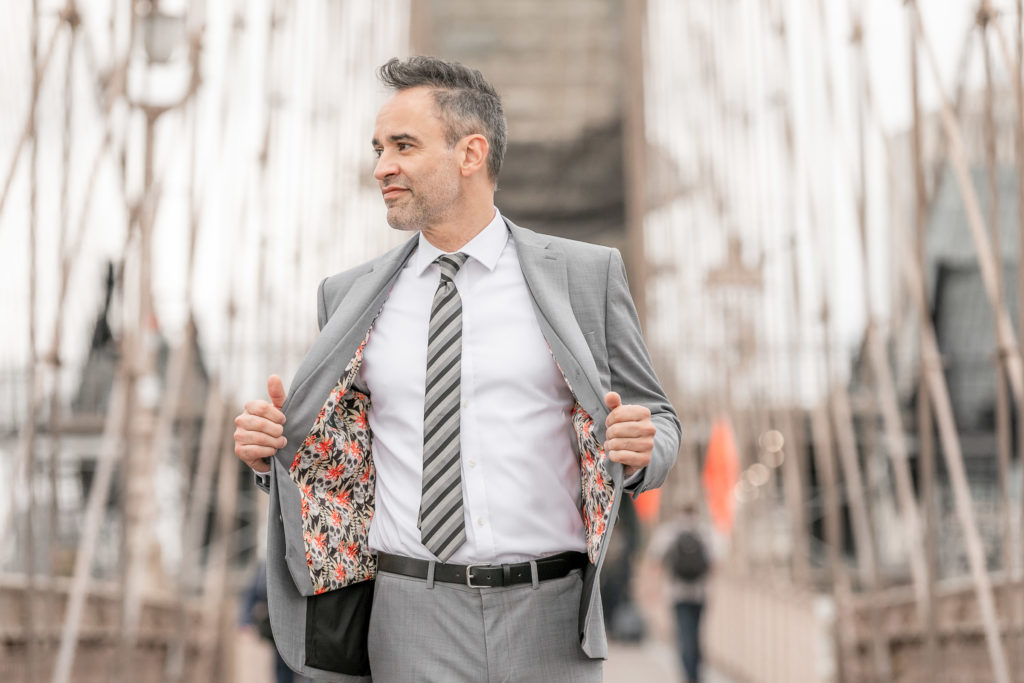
(337, 345)
(544, 269)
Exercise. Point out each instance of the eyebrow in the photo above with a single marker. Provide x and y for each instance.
(398, 137)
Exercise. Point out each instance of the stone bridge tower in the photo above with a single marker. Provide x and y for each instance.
(559, 67)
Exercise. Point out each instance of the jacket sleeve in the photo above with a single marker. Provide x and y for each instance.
(633, 377)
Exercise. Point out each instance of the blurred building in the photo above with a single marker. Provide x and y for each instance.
(559, 68)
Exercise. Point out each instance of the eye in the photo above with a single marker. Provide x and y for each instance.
(377, 152)
(402, 146)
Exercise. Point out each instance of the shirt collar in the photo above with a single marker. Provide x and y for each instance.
(486, 247)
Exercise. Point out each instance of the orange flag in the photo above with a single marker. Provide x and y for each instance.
(721, 472)
(647, 504)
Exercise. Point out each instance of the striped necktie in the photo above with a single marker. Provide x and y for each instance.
(441, 520)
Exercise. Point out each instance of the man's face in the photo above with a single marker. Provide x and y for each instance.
(417, 171)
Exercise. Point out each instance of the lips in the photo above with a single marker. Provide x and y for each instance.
(392, 191)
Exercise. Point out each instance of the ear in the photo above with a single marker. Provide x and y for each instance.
(473, 154)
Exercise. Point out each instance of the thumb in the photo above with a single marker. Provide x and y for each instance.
(612, 400)
(275, 389)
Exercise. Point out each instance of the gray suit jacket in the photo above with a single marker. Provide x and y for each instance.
(320, 569)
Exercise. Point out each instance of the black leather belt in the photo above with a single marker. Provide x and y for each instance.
(483, 575)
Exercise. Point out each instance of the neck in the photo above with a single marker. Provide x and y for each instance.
(456, 232)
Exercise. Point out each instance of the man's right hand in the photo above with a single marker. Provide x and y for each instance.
(259, 429)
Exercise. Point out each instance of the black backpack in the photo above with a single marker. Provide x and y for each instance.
(687, 558)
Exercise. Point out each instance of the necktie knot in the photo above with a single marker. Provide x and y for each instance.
(450, 264)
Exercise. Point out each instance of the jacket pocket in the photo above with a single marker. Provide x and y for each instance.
(337, 623)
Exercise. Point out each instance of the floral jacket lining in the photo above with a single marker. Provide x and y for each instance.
(333, 470)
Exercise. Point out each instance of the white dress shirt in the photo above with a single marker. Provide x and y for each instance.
(520, 474)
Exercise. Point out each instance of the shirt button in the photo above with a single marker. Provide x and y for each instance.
(472, 463)
(480, 521)
(465, 403)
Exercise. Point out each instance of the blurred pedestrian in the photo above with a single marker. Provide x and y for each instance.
(682, 548)
(459, 469)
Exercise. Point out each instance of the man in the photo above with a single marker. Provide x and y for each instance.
(459, 436)
(682, 548)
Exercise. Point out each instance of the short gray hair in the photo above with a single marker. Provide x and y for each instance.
(467, 103)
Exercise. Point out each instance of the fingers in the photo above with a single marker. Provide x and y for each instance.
(256, 437)
(627, 413)
(265, 410)
(253, 430)
(245, 437)
(259, 429)
(612, 400)
(639, 429)
(275, 389)
(255, 423)
(629, 459)
(253, 446)
(642, 445)
(629, 435)
(250, 455)
(632, 452)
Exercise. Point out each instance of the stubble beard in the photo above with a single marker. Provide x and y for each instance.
(424, 208)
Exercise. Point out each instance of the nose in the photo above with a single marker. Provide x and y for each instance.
(385, 168)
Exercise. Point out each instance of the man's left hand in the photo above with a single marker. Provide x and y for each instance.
(630, 434)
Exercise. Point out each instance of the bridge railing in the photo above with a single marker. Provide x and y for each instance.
(98, 654)
(765, 629)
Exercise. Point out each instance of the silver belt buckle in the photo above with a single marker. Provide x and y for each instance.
(469, 571)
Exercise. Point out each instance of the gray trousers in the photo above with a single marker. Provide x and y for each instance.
(449, 632)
